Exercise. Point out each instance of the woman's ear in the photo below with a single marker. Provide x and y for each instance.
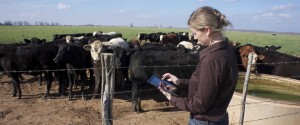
(207, 30)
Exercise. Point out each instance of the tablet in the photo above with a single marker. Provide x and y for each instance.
(155, 81)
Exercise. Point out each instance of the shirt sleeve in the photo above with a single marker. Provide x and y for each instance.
(208, 80)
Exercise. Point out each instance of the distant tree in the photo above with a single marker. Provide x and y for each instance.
(131, 25)
(26, 23)
(46, 24)
(8, 23)
(20, 23)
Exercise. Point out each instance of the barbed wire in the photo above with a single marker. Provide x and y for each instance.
(123, 92)
(119, 67)
(278, 116)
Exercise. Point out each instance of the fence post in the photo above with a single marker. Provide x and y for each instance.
(107, 87)
(245, 89)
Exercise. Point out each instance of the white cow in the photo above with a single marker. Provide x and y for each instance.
(187, 45)
(97, 47)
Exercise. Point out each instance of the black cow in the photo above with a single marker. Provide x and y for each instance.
(31, 59)
(272, 47)
(76, 60)
(143, 64)
(280, 64)
(35, 40)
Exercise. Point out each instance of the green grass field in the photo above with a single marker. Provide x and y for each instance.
(12, 34)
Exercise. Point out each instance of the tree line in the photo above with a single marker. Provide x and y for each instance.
(26, 23)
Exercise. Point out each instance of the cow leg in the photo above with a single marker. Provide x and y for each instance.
(97, 85)
(92, 82)
(49, 79)
(83, 79)
(71, 83)
(61, 82)
(136, 101)
(16, 86)
(98, 76)
(40, 79)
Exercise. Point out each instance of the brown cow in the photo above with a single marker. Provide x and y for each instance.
(243, 53)
(169, 38)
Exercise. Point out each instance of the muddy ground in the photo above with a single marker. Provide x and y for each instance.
(57, 110)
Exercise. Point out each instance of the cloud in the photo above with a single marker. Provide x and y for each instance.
(268, 14)
(122, 11)
(230, 0)
(62, 6)
(274, 16)
(144, 16)
(29, 14)
(283, 7)
(284, 15)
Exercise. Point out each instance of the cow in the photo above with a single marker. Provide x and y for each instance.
(96, 48)
(272, 47)
(134, 43)
(35, 40)
(183, 36)
(154, 37)
(74, 57)
(280, 64)
(242, 53)
(143, 64)
(32, 59)
(169, 38)
(141, 36)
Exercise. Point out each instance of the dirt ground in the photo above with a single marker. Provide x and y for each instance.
(56, 110)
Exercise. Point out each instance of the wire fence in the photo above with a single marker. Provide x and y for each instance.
(230, 107)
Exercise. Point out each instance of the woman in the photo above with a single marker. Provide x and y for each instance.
(211, 86)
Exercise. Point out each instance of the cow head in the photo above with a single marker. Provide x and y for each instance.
(272, 47)
(95, 48)
(35, 40)
(244, 54)
(61, 56)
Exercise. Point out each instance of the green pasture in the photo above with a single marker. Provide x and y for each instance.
(13, 34)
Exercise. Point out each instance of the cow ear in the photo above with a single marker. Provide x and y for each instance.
(43, 40)
(278, 47)
(27, 41)
(261, 57)
(87, 47)
(266, 47)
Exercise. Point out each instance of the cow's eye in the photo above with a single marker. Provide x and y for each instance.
(245, 56)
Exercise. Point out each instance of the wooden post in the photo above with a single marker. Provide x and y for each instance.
(107, 87)
(245, 88)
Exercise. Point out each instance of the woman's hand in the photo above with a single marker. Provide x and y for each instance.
(163, 88)
(171, 78)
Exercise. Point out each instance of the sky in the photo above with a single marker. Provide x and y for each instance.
(266, 15)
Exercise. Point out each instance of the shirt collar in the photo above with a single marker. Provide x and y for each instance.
(212, 48)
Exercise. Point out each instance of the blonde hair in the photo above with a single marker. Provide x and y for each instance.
(208, 16)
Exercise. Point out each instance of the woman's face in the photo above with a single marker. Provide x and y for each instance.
(201, 35)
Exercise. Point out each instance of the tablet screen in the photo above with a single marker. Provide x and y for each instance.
(155, 81)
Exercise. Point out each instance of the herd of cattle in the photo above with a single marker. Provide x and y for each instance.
(71, 57)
